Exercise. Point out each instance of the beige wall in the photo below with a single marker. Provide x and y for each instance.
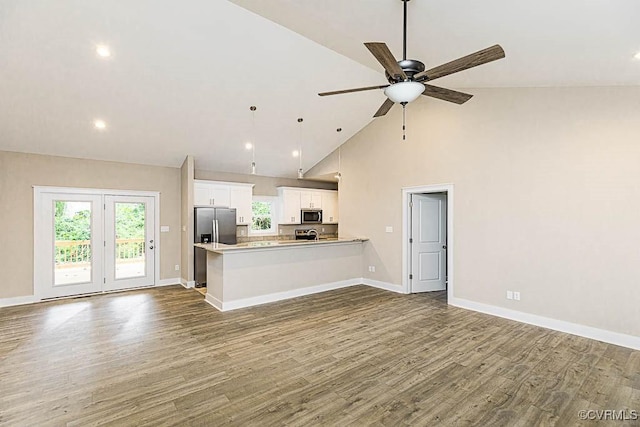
(547, 197)
(19, 172)
(186, 192)
(264, 185)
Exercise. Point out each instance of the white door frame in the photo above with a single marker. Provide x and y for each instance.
(406, 232)
(38, 256)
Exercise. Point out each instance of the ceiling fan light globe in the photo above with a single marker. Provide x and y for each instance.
(404, 91)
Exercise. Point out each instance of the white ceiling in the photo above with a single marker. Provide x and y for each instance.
(547, 42)
(184, 73)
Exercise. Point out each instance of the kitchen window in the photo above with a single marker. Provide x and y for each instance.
(263, 220)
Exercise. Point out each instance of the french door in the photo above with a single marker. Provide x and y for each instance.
(129, 242)
(88, 242)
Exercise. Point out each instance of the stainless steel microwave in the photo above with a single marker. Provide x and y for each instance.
(311, 216)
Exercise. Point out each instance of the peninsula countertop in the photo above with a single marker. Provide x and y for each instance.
(221, 248)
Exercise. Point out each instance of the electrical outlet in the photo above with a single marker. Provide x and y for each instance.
(516, 296)
(281, 231)
(372, 269)
(184, 228)
(242, 232)
(322, 230)
(509, 295)
(177, 267)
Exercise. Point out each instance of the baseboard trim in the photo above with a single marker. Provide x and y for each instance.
(213, 301)
(9, 302)
(169, 282)
(279, 296)
(187, 284)
(603, 335)
(383, 285)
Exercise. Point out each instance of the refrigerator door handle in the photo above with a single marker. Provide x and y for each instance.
(216, 231)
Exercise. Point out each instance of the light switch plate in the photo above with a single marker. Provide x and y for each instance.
(388, 229)
(164, 228)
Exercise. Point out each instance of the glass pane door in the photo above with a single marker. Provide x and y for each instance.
(130, 259)
(69, 260)
(72, 234)
(129, 242)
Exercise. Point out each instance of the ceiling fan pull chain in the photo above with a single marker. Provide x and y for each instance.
(404, 121)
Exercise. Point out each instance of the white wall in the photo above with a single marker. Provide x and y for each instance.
(547, 197)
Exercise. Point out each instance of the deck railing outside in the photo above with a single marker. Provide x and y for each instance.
(76, 253)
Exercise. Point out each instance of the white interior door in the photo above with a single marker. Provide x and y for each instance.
(428, 242)
(68, 245)
(129, 242)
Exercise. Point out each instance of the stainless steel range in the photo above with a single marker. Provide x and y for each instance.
(310, 234)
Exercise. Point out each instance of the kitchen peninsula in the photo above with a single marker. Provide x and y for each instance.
(255, 273)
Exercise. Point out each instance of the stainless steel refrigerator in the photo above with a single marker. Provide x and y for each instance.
(211, 225)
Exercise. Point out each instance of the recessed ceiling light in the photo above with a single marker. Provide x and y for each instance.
(295, 153)
(103, 51)
(248, 146)
(100, 124)
(637, 55)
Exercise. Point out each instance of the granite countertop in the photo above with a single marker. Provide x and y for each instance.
(267, 244)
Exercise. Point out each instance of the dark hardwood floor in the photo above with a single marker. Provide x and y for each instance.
(357, 356)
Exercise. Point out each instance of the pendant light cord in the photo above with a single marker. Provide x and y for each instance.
(253, 137)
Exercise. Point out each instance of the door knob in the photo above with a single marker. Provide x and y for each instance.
(150, 247)
(444, 246)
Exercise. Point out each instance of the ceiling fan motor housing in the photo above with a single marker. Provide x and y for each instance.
(410, 67)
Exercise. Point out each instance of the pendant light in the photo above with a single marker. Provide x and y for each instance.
(338, 176)
(252, 145)
(300, 171)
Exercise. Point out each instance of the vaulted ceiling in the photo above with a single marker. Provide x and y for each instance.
(182, 75)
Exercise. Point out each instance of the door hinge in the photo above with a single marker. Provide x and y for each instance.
(410, 239)
(105, 243)
(410, 276)
(411, 204)
(104, 280)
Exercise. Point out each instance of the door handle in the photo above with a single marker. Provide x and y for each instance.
(444, 246)
(150, 247)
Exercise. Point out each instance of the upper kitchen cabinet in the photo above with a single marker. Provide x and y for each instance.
(329, 207)
(289, 205)
(231, 194)
(241, 199)
(210, 194)
(293, 200)
(310, 199)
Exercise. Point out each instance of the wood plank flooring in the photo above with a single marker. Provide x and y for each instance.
(356, 356)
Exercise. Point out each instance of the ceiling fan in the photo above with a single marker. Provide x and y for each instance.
(407, 77)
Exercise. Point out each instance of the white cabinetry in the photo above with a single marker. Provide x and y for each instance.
(310, 199)
(292, 200)
(210, 194)
(329, 207)
(231, 194)
(241, 198)
(289, 206)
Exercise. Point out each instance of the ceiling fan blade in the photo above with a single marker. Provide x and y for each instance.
(446, 94)
(473, 60)
(386, 59)
(360, 89)
(384, 108)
